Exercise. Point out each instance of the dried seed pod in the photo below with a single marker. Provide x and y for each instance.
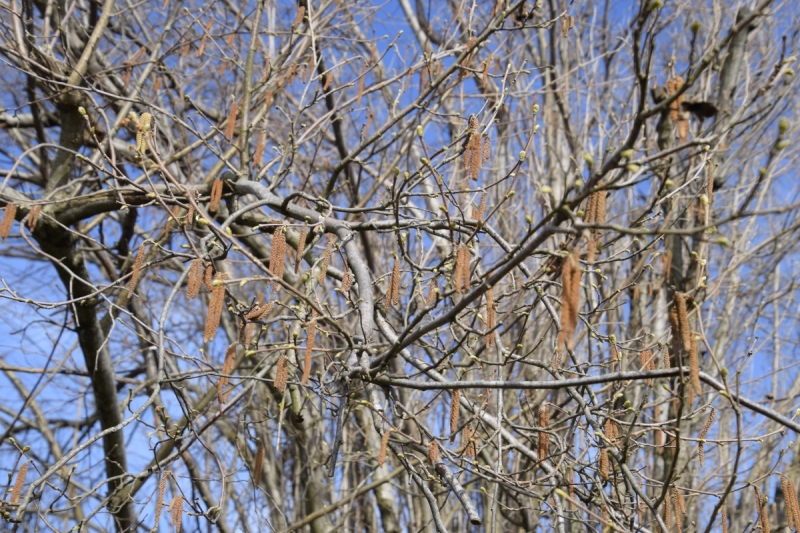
(9, 213)
(301, 245)
(33, 216)
(137, 268)
(216, 195)
(19, 483)
(312, 327)
(281, 374)
(433, 452)
(455, 408)
(215, 306)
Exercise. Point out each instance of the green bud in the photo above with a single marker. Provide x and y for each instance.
(589, 159)
(723, 241)
(546, 189)
(783, 125)
(782, 144)
(627, 154)
(528, 219)
(419, 130)
(655, 4)
(789, 72)
(632, 167)
(425, 161)
(535, 108)
(695, 27)
(82, 111)
(522, 155)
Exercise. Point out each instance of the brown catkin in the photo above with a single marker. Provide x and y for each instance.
(19, 483)
(604, 515)
(227, 367)
(667, 512)
(468, 439)
(787, 498)
(204, 37)
(176, 516)
(312, 327)
(544, 438)
(347, 281)
(263, 311)
(384, 445)
(33, 216)
(326, 259)
(647, 363)
(230, 126)
(679, 300)
(328, 79)
(208, 274)
(763, 512)
(433, 289)
(259, 463)
(259, 153)
(393, 298)
(792, 505)
(160, 501)
(703, 434)
(602, 465)
(611, 431)
(8, 220)
(480, 210)
(723, 514)
(137, 269)
(570, 279)
(281, 374)
(487, 148)
(474, 155)
(301, 246)
(694, 366)
(278, 255)
(677, 501)
(361, 84)
(215, 305)
(216, 195)
(455, 408)
(461, 273)
(490, 316)
(433, 452)
(298, 19)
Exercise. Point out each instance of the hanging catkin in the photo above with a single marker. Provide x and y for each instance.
(455, 408)
(490, 318)
(259, 463)
(19, 483)
(176, 512)
(433, 289)
(33, 216)
(326, 259)
(137, 268)
(216, 195)
(544, 438)
(301, 245)
(433, 452)
(9, 213)
(384, 445)
(281, 374)
(393, 297)
(570, 280)
(312, 327)
(685, 338)
(277, 256)
(215, 306)
(647, 363)
(162, 485)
